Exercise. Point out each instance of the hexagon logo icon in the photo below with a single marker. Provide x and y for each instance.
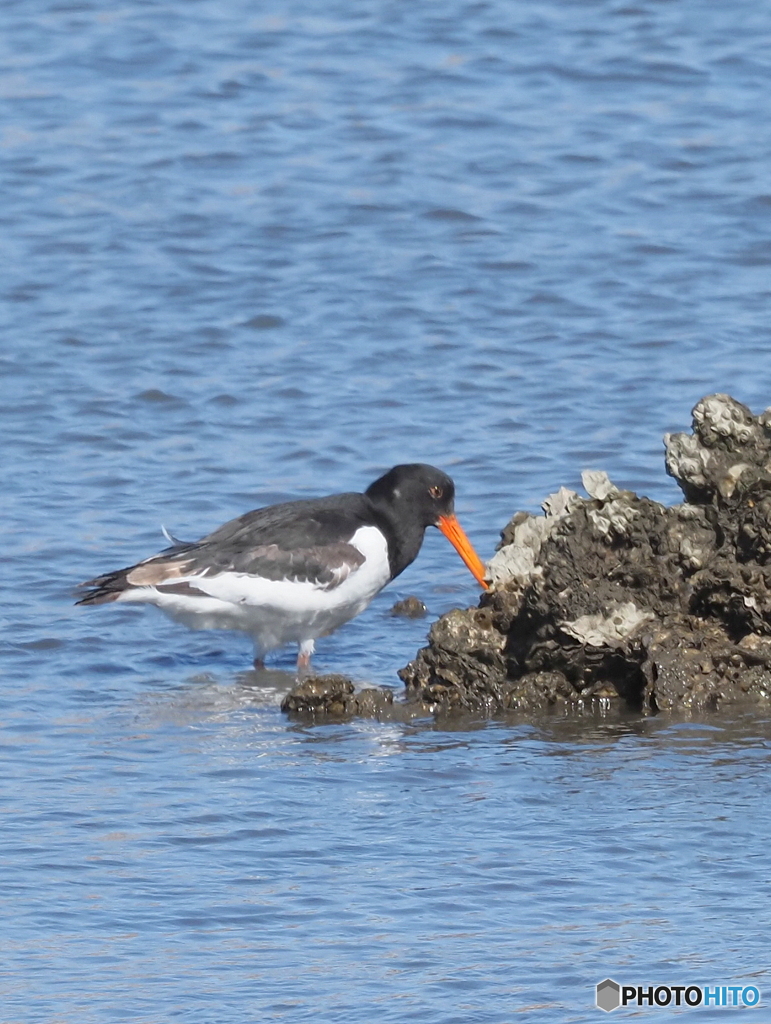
(608, 995)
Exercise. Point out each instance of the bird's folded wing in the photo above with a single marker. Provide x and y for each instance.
(325, 567)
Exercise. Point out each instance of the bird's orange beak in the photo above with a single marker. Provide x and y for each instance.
(455, 534)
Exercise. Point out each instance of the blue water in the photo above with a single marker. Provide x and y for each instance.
(254, 252)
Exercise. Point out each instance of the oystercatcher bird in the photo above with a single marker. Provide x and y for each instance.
(293, 572)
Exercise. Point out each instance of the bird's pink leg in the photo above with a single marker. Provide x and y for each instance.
(304, 656)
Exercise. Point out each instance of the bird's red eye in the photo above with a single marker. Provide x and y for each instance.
(435, 492)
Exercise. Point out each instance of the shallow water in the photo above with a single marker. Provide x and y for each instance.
(253, 253)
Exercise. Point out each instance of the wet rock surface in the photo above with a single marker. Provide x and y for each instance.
(616, 596)
(409, 608)
(334, 696)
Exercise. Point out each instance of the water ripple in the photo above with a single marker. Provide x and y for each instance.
(251, 256)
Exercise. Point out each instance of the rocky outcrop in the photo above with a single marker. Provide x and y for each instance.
(615, 596)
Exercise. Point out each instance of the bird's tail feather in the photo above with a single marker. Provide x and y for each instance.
(103, 589)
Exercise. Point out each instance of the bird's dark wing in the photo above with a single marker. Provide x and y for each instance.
(294, 524)
(303, 541)
(325, 566)
(298, 540)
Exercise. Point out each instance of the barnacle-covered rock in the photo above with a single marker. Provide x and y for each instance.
(335, 696)
(327, 695)
(466, 668)
(615, 594)
(727, 452)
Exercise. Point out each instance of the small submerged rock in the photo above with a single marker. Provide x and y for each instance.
(334, 696)
(618, 597)
(410, 608)
(327, 695)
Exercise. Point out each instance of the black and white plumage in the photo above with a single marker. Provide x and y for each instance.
(293, 572)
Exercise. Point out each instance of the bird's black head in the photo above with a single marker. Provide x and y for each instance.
(415, 491)
(410, 498)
